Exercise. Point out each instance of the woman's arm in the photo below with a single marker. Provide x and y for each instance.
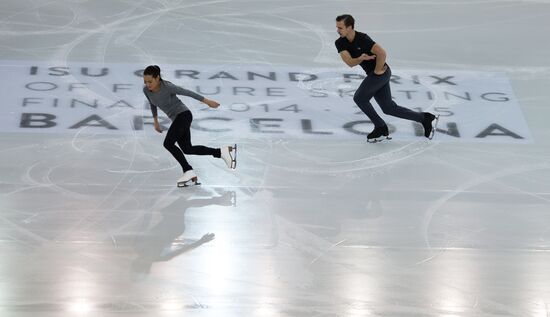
(182, 91)
(154, 112)
(185, 92)
(156, 123)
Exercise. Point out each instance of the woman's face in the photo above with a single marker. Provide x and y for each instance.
(151, 82)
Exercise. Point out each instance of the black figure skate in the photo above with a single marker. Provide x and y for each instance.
(429, 125)
(379, 134)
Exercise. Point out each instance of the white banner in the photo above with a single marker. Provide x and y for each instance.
(257, 101)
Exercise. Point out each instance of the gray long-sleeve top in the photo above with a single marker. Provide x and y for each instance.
(167, 101)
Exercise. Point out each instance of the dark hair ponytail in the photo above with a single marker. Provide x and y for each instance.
(152, 70)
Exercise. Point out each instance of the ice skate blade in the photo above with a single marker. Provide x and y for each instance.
(434, 127)
(189, 183)
(229, 156)
(378, 140)
(234, 158)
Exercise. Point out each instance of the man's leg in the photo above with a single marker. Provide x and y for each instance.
(384, 100)
(368, 88)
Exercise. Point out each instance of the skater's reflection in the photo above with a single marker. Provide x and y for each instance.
(164, 241)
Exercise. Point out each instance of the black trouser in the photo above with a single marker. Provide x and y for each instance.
(378, 86)
(180, 132)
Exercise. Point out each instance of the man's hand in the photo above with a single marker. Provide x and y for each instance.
(378, 72)
(352, 62)
(366, 57)
(211, 103)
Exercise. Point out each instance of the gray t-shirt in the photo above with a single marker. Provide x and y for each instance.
(166, 99)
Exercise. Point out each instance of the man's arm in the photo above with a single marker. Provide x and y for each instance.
(351, 62)
(380, 53)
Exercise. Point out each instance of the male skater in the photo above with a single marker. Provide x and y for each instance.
(358, 48)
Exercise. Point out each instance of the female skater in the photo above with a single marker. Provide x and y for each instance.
(162, 94)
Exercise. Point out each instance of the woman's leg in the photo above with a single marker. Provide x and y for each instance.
(177, 128)
(184, 139)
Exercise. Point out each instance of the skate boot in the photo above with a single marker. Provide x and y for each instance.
(229, 155)
(378, 134)
(188, 178)
(429, 125)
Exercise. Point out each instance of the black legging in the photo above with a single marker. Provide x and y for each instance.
(378, 86)
(180, 132)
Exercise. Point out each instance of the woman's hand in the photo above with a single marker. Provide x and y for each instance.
(157, 126)
(207, 237)
(211, 103)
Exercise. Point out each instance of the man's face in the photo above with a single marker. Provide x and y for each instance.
(342, 29)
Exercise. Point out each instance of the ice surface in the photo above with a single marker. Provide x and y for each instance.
(93, 224)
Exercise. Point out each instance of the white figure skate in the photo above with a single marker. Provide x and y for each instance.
(434, 129)
(229, 155)
(188, 178)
